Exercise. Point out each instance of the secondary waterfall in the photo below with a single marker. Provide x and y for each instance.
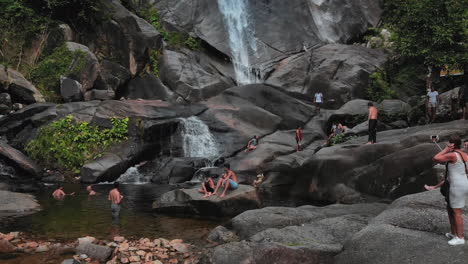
(241, 38)
(132, 175)
(198, 141)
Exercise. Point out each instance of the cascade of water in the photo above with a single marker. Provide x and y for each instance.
(132, 175)
(198, 141)
(241, 39)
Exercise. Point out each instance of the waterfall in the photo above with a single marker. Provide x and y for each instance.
(133, 176)
(241, 39)
(197, 139)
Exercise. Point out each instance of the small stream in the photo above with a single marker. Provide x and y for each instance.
(81, 215)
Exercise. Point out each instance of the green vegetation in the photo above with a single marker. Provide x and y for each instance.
(379, 87)
(174, 39)
(154, 56)
(68, 144)
(46, 75)
(432, 31)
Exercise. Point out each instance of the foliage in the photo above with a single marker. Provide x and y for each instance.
(154, 61)
(46, 75)
(379, 88)
(340, 138)
(433, 30)
(175, 39)
(68, 144)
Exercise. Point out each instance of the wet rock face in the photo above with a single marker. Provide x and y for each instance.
(295, 24)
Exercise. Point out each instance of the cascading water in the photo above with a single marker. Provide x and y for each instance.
(198, 141)
(133, 176)
(241, 39)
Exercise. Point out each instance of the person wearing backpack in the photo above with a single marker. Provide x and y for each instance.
(456, 175)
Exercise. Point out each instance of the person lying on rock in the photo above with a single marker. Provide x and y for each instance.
(228, 181)
(252, 144)
(208, 187)
(90, 190)
(458, 191)
(59, 194)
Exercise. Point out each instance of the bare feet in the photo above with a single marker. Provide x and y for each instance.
(222, 195)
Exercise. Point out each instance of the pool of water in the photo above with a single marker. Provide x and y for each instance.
(82, 215)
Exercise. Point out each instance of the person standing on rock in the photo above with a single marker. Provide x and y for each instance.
(432, 101)
(116, 198)
(318, 101)
(372, 118)
(59, 194)
(458, 191)
(228, 181)
(299, 138)
(463, 98)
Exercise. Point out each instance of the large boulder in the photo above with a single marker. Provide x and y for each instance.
(148, 87)
(172, 170)
(70, 90)
(112, 76)
(85, 67)
(191, 202)
(20, 161)
(20, 89)
(189, 78)
(340, 72)
(17, 204)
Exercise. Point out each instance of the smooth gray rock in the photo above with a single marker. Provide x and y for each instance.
(19, 161)
(20, 89)
(173, 170)
(85, 67)
(17, 204)
(70, 90)
(148, 86)
(93, 251)
(112, 76)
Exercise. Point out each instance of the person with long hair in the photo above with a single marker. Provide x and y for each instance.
(456, 175)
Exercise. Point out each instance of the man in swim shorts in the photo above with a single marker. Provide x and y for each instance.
(228, 180)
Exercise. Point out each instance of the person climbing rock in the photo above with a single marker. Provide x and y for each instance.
(116, 198)
(299, 138)
(228, 181)
(252, 144)
(59, 194)
(372, 118)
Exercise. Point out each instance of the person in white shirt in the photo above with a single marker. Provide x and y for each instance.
(318, 100)
(432, 100)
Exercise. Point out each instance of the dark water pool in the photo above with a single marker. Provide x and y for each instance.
(82, 215)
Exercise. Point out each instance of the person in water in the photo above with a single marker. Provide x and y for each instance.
(228, 181)
(90, 190)
(116, 198)
(252, 144)
(59, 194)
(456, 174)
(208, 187)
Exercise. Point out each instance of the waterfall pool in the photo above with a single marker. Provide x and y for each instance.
(81, 215)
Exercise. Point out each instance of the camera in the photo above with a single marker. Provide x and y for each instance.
(435, 138)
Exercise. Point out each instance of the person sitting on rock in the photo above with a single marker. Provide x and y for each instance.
(59, 194)
(337, 129)
(90, 190)
(260, 178)
(208, 187)
(228, 181)
(252, 144)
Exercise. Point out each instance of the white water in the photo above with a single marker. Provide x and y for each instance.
(198, 141)
(133, 176)
(241, 38)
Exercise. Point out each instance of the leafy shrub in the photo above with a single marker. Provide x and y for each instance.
(379, 89)
(66, 144)
(154, 61)
(340, 138)
(46, 75)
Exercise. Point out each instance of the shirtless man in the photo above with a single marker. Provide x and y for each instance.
(90, 190)
(372, 118)
(299, 138)
(59, 194)
(228, 180)
(115, 197)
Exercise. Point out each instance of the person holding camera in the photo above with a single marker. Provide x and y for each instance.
(458, 187)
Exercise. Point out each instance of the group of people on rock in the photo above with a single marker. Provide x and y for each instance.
(115, 197)
(227, 181)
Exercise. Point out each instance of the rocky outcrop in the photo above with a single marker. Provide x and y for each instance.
(18, 160)
(70, 90)
(172, 170)
(191, 202)
(17, 204)
(20, 89)
(291, 234)
(148, 87)
(340, 72)
(85, 66)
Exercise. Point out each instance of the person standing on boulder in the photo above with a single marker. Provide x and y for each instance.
(458, 191)
(318, 101)
(463, 98)
(372, 118)
(299, 138)
(116, 198)
(432, 101)
(228, 181)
